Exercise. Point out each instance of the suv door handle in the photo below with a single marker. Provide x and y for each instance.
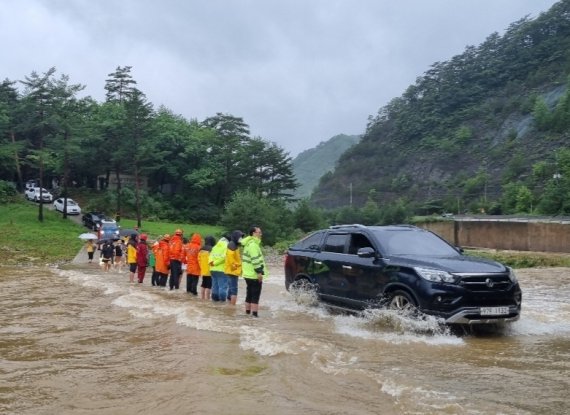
(346, 267)
(318, 262)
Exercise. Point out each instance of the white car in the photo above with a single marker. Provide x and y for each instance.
(72, 206)
(30, 184)
(34, 194)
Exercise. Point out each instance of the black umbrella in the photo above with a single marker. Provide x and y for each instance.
(128, 232)
(113, 239)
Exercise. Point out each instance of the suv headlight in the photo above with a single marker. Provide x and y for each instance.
(512, 275)
(434, 275)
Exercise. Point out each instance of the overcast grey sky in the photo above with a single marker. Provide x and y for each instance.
(297, 71)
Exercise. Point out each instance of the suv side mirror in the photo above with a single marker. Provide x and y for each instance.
(366, 252)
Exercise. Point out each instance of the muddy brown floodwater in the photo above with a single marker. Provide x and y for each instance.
(74, 340)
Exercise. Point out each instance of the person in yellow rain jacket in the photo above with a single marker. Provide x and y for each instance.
(232, 267)
(204, 261)
(217, 266)
(132, 256)
(254, 269)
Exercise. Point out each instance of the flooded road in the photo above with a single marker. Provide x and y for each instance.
(78, 341)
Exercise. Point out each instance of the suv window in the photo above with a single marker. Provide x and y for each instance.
(336, 243)
(357, 241)
(312, 241)
(415, 243)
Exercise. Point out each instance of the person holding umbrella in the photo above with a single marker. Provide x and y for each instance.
(89, 244)
(90, 248)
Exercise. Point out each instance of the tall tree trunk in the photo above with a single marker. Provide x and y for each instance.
(17, 162)
(119, 207)
(137, 195)
(65, 172)
(41, 204)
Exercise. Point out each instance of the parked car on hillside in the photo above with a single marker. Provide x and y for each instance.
(30, 184)
(93, 220)
(402, 267)
(72, 206)
(34, 194)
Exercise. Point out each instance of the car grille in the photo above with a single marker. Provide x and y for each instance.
(485, 282)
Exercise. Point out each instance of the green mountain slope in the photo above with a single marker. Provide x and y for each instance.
(311, 164)
(476, 132)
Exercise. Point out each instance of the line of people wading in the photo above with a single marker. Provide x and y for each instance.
(219, 264)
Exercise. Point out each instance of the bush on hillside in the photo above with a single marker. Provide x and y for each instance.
(8, 192)
(246, 209)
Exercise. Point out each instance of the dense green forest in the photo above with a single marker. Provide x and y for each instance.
(190, 169)
(486, 131)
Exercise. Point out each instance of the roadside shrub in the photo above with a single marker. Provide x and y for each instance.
(523, 259)
(247, 208)
(283, 244)
(308, 218)
(8, 192)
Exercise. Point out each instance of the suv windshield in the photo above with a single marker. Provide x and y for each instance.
(403, 242)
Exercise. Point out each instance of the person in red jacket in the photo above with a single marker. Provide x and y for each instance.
(192, 249)
(142, 257)
(176, 251)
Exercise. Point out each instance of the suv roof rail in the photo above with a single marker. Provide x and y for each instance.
(354, 225)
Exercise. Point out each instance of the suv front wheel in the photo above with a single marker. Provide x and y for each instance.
(401, 300)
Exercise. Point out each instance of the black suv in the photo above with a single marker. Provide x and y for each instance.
(93, 220)
(403, 267)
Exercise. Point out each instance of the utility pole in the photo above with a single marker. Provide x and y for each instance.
(350, 187)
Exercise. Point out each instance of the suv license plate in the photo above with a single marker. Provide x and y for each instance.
(494, 311)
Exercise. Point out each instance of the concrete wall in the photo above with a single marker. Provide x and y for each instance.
(500, 234)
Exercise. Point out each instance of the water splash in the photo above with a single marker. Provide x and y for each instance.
(304, 293)
(404, 321)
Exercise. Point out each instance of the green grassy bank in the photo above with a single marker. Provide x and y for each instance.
(25, 240)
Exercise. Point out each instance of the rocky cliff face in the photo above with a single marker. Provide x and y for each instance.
(501, 147)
